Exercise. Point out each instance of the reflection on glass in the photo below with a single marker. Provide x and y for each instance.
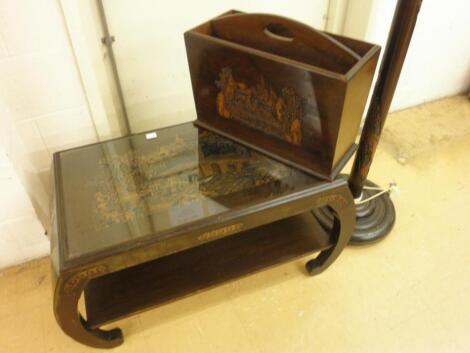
(133, 187)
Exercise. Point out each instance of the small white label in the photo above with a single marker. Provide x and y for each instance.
(151, 135)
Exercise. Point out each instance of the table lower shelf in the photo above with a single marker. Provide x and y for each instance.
(120, 294)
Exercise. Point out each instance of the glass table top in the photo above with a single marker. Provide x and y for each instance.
(128, 188)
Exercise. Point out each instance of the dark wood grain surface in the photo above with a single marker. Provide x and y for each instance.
(154, 283)
(139, 222)
(281, 87)
(131, 200)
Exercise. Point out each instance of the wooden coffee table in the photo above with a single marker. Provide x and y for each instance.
(143, 220)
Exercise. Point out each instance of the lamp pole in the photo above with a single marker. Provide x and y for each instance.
(399, 39)
(375, 218)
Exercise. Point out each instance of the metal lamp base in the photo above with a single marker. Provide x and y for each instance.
(374, 219)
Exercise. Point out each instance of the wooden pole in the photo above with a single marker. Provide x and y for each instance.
(403, 24)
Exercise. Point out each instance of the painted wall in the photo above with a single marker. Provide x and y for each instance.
(43, 109)
(438, 61)
(21, 234)
(151, 55)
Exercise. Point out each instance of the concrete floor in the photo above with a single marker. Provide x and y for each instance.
(409, 293)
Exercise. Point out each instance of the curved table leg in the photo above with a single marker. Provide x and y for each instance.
(345, 219)
(66, 295)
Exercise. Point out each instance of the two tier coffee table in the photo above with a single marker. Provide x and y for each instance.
(143, 220)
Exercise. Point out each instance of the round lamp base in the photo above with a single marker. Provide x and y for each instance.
(374, 219)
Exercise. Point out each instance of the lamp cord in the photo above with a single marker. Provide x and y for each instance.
(392, 187)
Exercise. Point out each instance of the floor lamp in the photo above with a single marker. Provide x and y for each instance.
(375, 216)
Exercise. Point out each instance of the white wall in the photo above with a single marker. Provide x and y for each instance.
(151, 55)
(39, 82)
(43, 109)
(21, 234)
(438, 60)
